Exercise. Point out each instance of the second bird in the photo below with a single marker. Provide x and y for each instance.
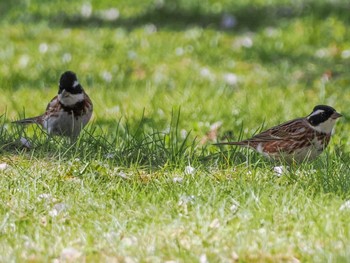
(296, 140)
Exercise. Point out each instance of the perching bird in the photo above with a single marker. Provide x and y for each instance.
(68, 112)
(296, 140)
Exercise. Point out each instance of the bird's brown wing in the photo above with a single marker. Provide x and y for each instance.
(53, 108)
(284, 131)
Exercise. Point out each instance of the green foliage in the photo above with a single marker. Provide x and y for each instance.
(143, 182)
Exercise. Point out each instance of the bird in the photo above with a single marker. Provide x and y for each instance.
(68, 112)
(297, 140)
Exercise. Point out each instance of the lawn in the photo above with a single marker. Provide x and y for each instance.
(168, 78)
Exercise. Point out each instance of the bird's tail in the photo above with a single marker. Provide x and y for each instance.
(28, 120)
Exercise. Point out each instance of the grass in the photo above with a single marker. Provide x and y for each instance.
(143, 182)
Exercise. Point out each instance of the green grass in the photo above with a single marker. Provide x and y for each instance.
(159, 76)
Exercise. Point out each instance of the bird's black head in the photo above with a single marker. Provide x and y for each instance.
(70, 83)
(321, 114)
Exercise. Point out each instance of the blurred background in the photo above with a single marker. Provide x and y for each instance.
(223, 64)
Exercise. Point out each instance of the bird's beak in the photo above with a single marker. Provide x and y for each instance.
(336, 115)
(65, 94)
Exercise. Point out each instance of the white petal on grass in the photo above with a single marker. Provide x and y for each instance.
(57, 209)
(44, 196)
(345, 54)
(183, 133)
(43, 48)
(107, 76)
(3, 166)
(345, 206)
(129, 241)
(245, 41)
(67, 57)
(179, 51)
(150, 29)
(207, 74)
(234, 207)
(70, 254)
(23, 61)
(132, 55)
(231, 79)
(321, 53)
(203, 259)
(280, 170)
(25, 142)
(190, 170)
(178, 179)
(186, 199)
(234, 256)
(271, 32)
(86, 10)
(123, 175)
(110, 14)
(215, 223)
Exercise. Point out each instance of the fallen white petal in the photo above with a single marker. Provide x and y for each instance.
(279, 170)
(345, 206)
(203, 258)
(44, 196)
(69, 254)
(178, 179)
(3, 166)
(189, 170)
(215, 223)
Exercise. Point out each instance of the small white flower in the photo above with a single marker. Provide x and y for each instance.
(3, 166)
(189, 170)
(44, 196)
(321, 53)
(43, 47)
(67, 57)
(183, 133)
(86, 10)
(178, 179)
(123, 175)
(234, 207)
(57, 209)
(179, 51)
(203, 259)
(23, 61)
(280, 170)
(110, 155)
(231, 79)
(215, 223)
(110, 14)
(206, 73)
(345, 54)
(186, 199)
(132, 55)
(150, 29)
(107, 76)
(345, 206)
(70, 254)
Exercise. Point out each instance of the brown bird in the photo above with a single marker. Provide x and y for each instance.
(296, 140)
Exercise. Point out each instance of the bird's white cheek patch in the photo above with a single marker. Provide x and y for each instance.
(326, 127)
(71, 99)
(76, 83)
